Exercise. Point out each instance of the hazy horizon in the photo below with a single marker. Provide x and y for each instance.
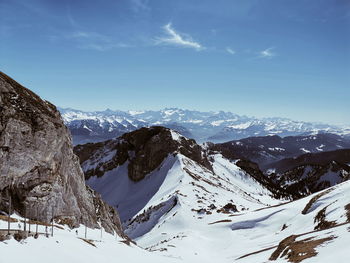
(211, 111)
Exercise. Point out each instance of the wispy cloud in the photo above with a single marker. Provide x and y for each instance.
(94, 41)
(139, 5)
(103, 47)
(230, 51)
(177, 39)
(267, 53)
(86, 39)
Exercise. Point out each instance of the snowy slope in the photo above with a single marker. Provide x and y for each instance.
(181, 176)
(180, 235)
(233, 237)
(184, 212)
(70, 245)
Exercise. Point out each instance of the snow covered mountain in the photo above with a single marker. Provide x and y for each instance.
(268, 149)
(180, 201)
(202, 126)
(301, 165)
(177, 200)
(129, 171)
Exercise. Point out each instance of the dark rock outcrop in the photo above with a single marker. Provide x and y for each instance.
(38, 168)
(145, 149)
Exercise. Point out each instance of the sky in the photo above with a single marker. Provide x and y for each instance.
(285, 58)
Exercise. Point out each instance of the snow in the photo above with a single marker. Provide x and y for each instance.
(203, 125)
(67, 246)
(241, 126)
(134, 112)
(176, 136)
(182, 235)
(194, 121)
(304, 150)
(187, 234)
(217, 123)
(169, 215)
(127, 196)
(277, 149)
(320, 148)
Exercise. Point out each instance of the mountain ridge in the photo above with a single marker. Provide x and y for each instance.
(202, 126)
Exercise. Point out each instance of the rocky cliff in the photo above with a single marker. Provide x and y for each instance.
(38, 168)
(145, 149)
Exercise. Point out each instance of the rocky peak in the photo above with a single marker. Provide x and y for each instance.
(144, 149)
(38, 168)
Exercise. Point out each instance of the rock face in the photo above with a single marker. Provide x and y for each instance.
(145, 149)
(38, 168)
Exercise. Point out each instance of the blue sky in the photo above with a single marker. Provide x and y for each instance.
(287, 58)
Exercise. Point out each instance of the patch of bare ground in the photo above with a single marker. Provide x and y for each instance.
(235, 215)
(322, 222)
(201, 187)
(194, 176)
(347, 208)
(284, 227)
(89, 241)
(163, 242)
(256, 252)
(313, 200)
(297, 251)
(268, 207)
(220, 221)
(6, 218)
(287, 240)
(128, 242)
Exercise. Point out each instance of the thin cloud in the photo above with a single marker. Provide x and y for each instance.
(176, 39)
(94, 41)
(140, 5)
(103, 47)
(230, 51)
(267, 53)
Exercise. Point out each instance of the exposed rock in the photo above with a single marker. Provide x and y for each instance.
(20, 235)
(145, 149)
(38, 168)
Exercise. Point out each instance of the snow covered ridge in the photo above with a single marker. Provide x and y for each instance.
(193, 215)
(202, 126)
(144, 149)
(188, 212)
(135, 165)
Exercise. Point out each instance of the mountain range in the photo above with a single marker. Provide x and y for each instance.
(265, 150)
(155, 195)
(185, 201)
(202, 126)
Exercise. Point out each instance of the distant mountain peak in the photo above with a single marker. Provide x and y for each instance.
(217, 126)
